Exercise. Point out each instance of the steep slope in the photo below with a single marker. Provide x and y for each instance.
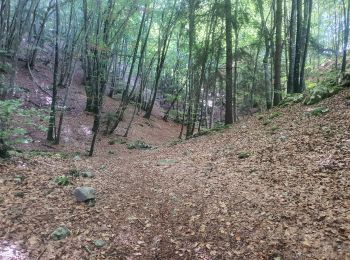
(76, 134)
(274, 190)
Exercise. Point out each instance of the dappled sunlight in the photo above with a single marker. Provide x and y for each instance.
(10, 251)
(86, 129)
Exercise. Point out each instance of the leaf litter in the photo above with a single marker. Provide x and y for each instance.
(288, 200)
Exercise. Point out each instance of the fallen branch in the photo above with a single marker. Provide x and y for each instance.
(41, 254)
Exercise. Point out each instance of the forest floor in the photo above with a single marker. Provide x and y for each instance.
(274, 186)
(76, 134)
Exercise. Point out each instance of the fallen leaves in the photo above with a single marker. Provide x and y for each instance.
(290, 196)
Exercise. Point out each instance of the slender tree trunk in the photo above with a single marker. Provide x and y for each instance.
(278, 55)
(346, 35)
(190, 73)
(267, 82)
(308, 6)
(163, 49)
(290, 83)
(52, 119)
(229, 60)
(298, 48)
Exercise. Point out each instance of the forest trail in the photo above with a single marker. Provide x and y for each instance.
(287, 199)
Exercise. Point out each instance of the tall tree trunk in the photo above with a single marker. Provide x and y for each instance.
(265, 31)
(308, 6)
(163, 50)
(190, 73)
(346, 34)
(229, 60)
(290, 83)
(278, 55)
(298, 48)
(52, 119)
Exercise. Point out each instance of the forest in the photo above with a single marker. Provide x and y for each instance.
(171, 129)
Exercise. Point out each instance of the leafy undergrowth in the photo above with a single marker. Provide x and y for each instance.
(243, 193)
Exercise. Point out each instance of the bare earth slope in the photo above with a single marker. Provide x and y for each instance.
(289, 199)
(76, 134)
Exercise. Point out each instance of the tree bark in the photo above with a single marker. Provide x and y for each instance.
(229, 60)
(278, 55)
(52, 120)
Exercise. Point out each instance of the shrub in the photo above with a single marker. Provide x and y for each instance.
(243, 155)
(318, 111)
(10, 132)
(138, 144)
(62, 180)
(274, 115)
(5, 67)
(321, 92)
(274, 129)
(292, 99)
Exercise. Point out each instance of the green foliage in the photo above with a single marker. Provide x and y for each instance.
(10, 113)
(311, 85)
(3, 87)
(321, 92)
(176, 116)
(324, 89)
(175, 142)
(35, 153)
(74, 173)
(292, 99)
(318, 111)
(243, 155)
(5, 67)
(274, 115)
(138, 144)
(218, 127)
(267, 122)
(274, 129)
(62, 180)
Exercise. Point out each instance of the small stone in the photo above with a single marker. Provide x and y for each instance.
(19, 194)
(99, 243)
(87, 174)
(84, 194)
(18, 179)
(283, 138)
(77, 158)
(60, 233)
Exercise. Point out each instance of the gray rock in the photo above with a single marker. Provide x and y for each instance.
(18, 179)
(87, 174)
(84, 194)
(60, 233)
(99, 243)
(283, 138)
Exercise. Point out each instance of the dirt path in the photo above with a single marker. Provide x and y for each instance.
(197, 200)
